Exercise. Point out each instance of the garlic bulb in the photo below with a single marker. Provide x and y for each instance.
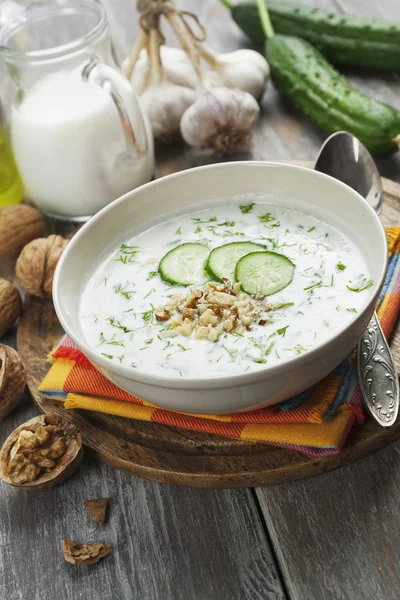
(177, 69)
(243, 69)
(164, 104)
(220, 120)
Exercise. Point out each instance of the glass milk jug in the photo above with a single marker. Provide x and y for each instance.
(11, 190)
(78, 133)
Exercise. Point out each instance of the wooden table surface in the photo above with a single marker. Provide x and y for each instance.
(333, 537)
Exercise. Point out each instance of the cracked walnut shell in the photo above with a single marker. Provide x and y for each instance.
(12, 379)
(81, 553)
(10, 305)
(19, 225)
(41, 453)
(37, 262)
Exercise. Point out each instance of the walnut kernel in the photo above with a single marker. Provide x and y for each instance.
(40, 453)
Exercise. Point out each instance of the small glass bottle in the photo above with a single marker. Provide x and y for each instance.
(11, 188)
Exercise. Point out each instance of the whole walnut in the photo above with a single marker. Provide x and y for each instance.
(12, 379)
(19, 225)
(10, 305)
(37, 262)
(41, 453)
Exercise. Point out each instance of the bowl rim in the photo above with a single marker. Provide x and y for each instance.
(224, 380)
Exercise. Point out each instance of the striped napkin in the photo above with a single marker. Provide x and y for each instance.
(315, 422)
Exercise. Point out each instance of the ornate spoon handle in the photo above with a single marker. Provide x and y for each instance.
(377, 375)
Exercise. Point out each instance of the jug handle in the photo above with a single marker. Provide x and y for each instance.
(112, 82)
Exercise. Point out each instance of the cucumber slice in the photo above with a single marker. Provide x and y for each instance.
(222, 261)
(184, 265)
(264, 273)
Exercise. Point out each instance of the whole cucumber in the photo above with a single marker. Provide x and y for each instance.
(301, 72)
(344, 40)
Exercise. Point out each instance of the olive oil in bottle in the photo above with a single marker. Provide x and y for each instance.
(11, 188)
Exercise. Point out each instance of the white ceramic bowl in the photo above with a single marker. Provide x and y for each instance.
(319, 194)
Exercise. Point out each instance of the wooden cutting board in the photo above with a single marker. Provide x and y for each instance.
(180, 457)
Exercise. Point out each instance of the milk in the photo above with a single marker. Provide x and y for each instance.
(70, 147)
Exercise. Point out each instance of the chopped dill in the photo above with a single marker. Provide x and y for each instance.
(354, 310)
(114, 323)
(269, 349)
(105, 280)
(127, 254)
(144, 348)
(183, 348)
(198, 229)
(119, 289)
(198, 220)
(110, 356)
(246, 208)
(226, 224)
(150, 292)
(338, 308)
(267, 218)
(148, 315)
(311, 229)
(151, 275)
(280, 305)
(178, 231)
(313, 286)
(121, 358)
(362, 287)
(326, 323)
(282, 331)
(340, 266)
(277, 354)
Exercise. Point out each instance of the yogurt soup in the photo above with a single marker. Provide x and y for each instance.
(223, 291)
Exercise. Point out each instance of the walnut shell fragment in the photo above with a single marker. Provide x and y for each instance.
(37, 262)
(81, 553)
(97, 509)
(12, 379)
(19, 225)
(10, 305)
(41, 453)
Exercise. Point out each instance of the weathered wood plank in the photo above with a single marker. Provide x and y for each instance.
(170, 543)
(337, 536)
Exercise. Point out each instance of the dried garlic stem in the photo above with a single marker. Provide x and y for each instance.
(187, 41)
(156, 69)
(207, 54)
(140, 43)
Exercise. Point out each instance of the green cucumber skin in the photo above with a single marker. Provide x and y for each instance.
(300, 72)
(344, 40)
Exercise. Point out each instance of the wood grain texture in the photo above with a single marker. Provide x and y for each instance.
(334, 535)
(176, 456)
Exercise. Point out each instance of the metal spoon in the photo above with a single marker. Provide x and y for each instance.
(344, 157)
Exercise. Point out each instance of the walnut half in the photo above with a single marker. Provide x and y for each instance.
(41, 453)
